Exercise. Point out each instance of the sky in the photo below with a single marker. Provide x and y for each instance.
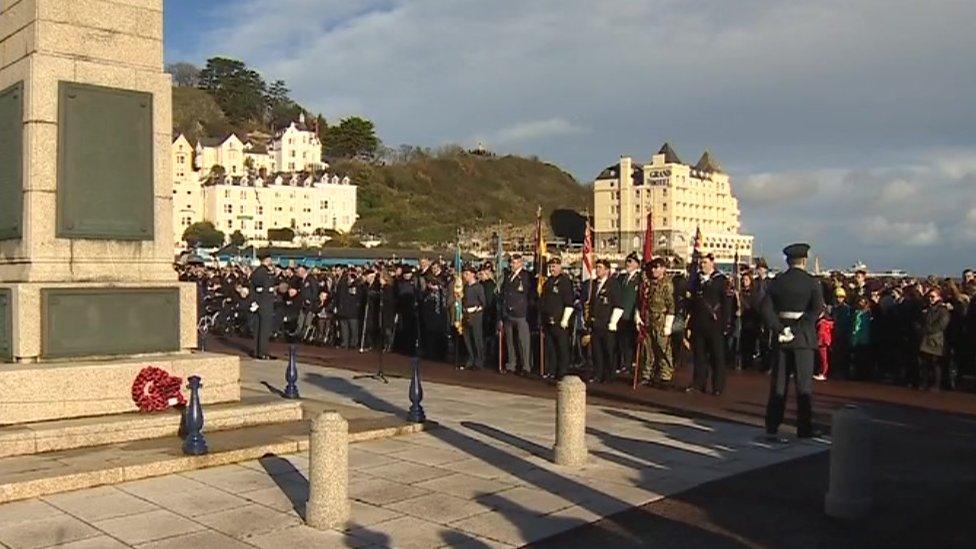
(850, 125)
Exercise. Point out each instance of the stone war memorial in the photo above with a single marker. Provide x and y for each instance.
(88, 295)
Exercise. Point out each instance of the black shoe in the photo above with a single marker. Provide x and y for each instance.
(694, 390)
(717, 393)
(773, 438)
(811, 434)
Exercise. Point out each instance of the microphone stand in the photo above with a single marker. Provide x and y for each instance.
(379, 375)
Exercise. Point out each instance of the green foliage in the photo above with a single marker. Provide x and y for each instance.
(204, 235)
(425, 199)
(285, 234)
(353, 137)
(237, 238)
(196, 114)
(239, 90)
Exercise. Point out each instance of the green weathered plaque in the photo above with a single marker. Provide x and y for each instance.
(109, 321)
(6, 338)
(11, 161)
(105, 163)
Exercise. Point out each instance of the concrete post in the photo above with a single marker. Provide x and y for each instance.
(849, 495)
(328, 472)
(570, 449)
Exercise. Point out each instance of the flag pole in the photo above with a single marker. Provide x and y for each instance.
(540, 280)
(499, 296)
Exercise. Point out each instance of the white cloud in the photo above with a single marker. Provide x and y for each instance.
(879, 230)
(536, 129)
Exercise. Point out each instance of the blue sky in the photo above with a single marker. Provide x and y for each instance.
(845, 124)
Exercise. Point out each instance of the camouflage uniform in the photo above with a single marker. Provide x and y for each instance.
(657, 303)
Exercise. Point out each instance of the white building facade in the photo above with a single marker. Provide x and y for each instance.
(681, 198)
(239, 185)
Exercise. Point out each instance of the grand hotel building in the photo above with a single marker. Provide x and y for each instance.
(680, 198)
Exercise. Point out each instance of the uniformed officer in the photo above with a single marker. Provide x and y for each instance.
(793, 303)
(262, 294)
(515, 296)
(473, 304)
(627, 329)
(556, 303)
(657, 300)
(605, 313)
(710, 322)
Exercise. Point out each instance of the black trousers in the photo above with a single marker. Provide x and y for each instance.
(626, 341)
(797, 363)
(557, 350)
(474, 341)
(604, 349)
(262, 333)
(708, 346)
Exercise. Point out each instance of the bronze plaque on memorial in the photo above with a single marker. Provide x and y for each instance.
(105, 163)
(6, 325)
(109, 321)
(11, 161)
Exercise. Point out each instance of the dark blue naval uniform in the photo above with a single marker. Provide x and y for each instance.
(262, 292)
(793, 300)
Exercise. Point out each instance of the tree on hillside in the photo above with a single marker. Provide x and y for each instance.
(238, 90)
(237, 238)
(204, 235)
(185, 75)
(354, 136)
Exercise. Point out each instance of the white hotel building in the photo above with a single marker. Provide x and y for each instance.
(257, 188)
(680, 198)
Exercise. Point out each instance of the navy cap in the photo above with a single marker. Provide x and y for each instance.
(633, 257)
(796, 251)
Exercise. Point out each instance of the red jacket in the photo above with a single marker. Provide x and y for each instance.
(825, 332)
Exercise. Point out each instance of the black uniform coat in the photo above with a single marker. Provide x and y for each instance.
(794, 291)
(605, 300)
(349, 297)
(516, 289)
(711, 306)
(557, 294)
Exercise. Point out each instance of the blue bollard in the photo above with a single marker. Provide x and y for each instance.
(291, 373)
(194, 444)
(416, 414)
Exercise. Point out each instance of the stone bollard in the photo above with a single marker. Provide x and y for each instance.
(570, 449)
(328, 472)
(849, 494)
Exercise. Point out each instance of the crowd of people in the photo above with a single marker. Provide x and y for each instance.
(640, 322)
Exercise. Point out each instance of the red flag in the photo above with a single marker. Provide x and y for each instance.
(588, 252)
(648, 239)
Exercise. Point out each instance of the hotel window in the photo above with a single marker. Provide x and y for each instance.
(226, 194)
(260, 210)
(230, 223)
(228, 208)
(259, 225)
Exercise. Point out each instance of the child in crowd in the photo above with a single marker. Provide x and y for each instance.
(825, 338)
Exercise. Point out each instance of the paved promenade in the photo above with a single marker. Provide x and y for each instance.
(482, 478)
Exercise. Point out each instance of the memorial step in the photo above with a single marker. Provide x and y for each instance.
(66, 434)
(29, 476)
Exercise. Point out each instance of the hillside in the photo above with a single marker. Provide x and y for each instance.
(426, 199)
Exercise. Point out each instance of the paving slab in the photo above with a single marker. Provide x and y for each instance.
(146, 527)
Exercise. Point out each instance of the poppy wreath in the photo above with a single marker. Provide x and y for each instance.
(155, 390)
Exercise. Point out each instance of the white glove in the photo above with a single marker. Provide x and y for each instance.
(254, 306)
(786, 336)
(615, 318)
(668, 324)
(637, 318)
(567, 312)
